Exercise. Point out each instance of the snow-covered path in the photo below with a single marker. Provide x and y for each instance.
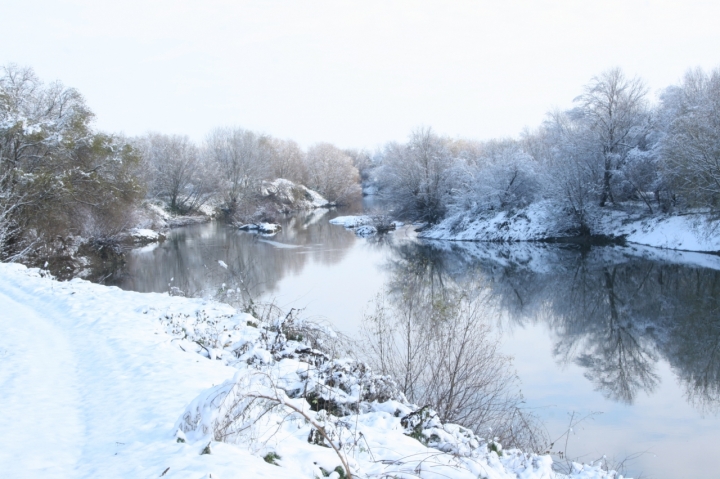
(90, 388)
(40, 394)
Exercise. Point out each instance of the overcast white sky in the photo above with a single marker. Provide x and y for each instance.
(357, 74)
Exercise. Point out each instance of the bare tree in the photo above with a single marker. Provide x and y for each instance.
(442, 354)
(612, 111)
(287, 160)
(176, 171)
(494, 175)
(331, 172)
(242, 158)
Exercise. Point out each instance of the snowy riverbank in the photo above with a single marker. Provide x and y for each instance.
(539, 222)
(96, 382)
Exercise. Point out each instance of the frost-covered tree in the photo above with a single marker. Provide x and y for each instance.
(175, 171)
(495, 175)
(416, 177)
(242, 159)
(691, 144)
(331, 172)
(611, 119)
(287, 160)
(58, 175)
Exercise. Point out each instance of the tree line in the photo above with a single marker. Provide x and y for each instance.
(60, 177)
(613, 149)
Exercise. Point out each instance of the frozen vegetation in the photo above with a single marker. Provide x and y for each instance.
(102, 382)
(615, 165)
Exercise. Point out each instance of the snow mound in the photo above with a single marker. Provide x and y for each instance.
(262, 228)
(145, 236)
(351, 221)
(692, 232)
(292, 195)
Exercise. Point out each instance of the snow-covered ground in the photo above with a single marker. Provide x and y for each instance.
(96, 382)
(540, 221)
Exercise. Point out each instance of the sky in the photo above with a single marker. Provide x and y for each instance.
(354, 73)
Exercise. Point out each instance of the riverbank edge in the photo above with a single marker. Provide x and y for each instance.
(692, 232)
(85, 313)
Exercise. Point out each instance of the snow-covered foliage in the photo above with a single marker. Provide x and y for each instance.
(598, 168)
(691, 145)
(416, 178)
(291, 395)
(57, 175)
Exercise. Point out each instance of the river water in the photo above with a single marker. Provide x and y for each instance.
(627, 337)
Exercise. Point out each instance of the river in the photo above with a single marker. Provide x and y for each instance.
(626, 337)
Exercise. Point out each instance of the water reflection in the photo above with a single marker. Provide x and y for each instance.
(189, 258)
(612, 312)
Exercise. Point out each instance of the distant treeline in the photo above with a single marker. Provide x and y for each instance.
(61, 177)
(613, 149)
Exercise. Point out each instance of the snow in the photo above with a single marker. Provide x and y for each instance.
(539, 221)
(692, 232)
(268, 229)
(298, 196)
(96, 382)
(145, 235)
(528, 224)
(351, 221)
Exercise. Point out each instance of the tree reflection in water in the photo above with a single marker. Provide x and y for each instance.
(188, 259)
(434, 336)
(614, 314)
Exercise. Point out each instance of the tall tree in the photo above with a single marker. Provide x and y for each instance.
(176, 172)
(57, 175)
(612, 111)
(691, 145)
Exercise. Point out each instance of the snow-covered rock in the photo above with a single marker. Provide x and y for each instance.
(292, 195)
(144, 236)
(262, 228)
(351, 221)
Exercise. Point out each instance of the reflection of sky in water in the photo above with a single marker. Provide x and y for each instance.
(679, 440)
(543, 291)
